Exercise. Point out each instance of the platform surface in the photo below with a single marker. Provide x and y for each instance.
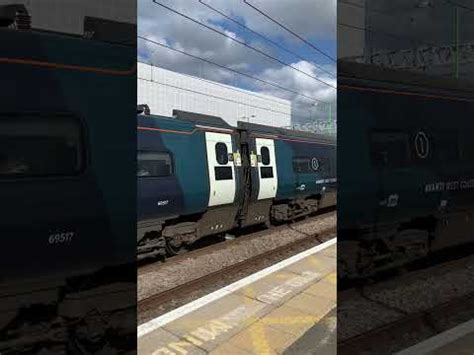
(458, 340)
(287, 308)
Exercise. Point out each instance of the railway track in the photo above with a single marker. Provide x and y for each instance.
(151, 302)
(240, 239)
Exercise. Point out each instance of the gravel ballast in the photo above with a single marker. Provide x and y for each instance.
(170, 274)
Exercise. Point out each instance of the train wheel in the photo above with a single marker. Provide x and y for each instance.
(174, 247)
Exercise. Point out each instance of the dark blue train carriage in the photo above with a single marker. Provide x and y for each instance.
(63, 145)
(292, 173)
(66, 147)
(187, 181)
(199, 176)
(406, 169)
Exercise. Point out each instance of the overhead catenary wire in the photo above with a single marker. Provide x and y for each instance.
(230, 69)
(265, 38)
(290, 31)
(243, 43)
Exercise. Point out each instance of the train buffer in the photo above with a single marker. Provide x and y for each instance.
(288, 306)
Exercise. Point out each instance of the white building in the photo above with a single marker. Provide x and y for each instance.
(164, 91)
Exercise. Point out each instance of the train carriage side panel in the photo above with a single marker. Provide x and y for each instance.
(185, 191)
(409, 146)
(223, 176)
(198, 197)
(406, 169)
(356, 182)
(280, 190)
(307, 180)
(286, 173)
(324, 163)
(76, 216)
(309, 167)
(159, 193)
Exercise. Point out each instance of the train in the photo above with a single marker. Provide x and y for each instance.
(406, 168)
(69, 206)
(61, 168)
(198, 176)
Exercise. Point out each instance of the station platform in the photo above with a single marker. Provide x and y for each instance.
(287, 308)
(458, 340)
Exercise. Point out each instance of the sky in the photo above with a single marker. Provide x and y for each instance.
(313, 20)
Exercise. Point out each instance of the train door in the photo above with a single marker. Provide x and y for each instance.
(221, 169)
(267, 172)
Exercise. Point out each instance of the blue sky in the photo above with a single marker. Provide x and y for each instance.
(314, 20)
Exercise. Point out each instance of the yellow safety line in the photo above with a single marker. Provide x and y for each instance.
(256, 325)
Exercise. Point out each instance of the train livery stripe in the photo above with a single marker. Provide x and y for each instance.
(165, 130)
(405, 93)
(216, 130)
(293, 140)
(68, 66)
(305, 141)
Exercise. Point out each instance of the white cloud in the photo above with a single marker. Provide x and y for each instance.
(315, 19)
(308, 18)
(302, 84)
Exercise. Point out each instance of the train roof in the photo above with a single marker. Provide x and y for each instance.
(72, 53)
(207, 121)
(351, 72)
(200, 119)
(16, 18)
(285, 133)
